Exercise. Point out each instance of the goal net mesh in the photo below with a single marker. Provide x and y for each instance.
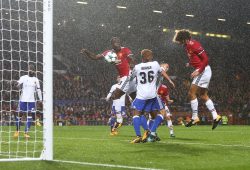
(21, 44)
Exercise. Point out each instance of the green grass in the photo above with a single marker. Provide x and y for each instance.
(228, 147)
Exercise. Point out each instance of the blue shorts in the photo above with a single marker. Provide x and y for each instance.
(147, 105)
(27, 106)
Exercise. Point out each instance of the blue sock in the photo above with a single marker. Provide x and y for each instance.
(150, 123)
(157, 122)
(137, 123)
(28, 124)
(144, 122)
(18, 123)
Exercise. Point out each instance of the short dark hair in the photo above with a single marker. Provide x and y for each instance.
(182, 35)
(114, 38)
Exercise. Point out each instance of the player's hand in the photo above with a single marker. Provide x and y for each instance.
(117, 61)
(83, 51)
(172, 83)
(170, 101)
(107, 99)
(195, 73)
(187, 64)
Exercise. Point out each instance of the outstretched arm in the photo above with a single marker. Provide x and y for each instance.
(165, 75)
(90, 54)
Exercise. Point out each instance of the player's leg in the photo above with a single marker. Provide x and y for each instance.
(192, 95)
(22, 107)
(138, 106)
(151, 120)
(122, 88)
(169, 122)
(30, 115)
(210, 105)
(145, 127)
(157, 105)
(112, 121)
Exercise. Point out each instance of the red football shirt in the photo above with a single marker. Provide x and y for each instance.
(197, 55)
(122, 67)
(163, 92)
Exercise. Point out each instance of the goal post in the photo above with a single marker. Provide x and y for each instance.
(26, 30)
(47, 153)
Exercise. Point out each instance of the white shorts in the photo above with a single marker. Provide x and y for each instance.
(126, 85)
(203, 79)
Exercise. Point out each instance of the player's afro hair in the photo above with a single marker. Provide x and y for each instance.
(182, 35)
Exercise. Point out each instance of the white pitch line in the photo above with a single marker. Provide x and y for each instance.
(105, 165)
(207, 144)
(183, 143)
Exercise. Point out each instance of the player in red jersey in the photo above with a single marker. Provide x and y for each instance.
(163, 93)
(123, 62)
(201, 76)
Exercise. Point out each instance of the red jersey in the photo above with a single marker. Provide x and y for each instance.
(197, 55)
(122, 67)
(163, 92)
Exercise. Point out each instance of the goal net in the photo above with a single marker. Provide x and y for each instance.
(26, 39)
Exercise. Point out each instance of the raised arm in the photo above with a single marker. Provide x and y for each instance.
(90, 54)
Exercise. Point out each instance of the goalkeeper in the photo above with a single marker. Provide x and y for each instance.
(29, 85)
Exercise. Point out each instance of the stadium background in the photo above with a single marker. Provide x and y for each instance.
(80, 84)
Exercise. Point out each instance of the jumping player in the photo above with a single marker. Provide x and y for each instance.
(122, 64)
(201, 76)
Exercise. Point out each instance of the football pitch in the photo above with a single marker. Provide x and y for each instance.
(91, 147)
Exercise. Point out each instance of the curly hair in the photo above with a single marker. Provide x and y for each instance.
(182, 35)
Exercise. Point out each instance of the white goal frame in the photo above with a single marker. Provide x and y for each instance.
(47, 152)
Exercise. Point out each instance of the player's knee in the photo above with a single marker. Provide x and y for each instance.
(119, 118)
(204, 97)
(191, 95)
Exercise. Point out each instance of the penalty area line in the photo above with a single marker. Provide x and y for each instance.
(104, 165)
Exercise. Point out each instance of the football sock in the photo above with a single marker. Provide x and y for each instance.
(157, 122)
(210, 106)
(18, 123)
(194, 106)
(150, 123)
(144, 122)
(28, 124)
(137, 123)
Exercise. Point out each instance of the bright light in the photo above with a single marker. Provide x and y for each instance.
(189, 15)
(102, 25)
(218, 35)
(210, 35)
(156, 11)
(165, 30)
(195, 33)
(221, 19)
(58, 23)
(121, 7)
(225, 36)
(248, 23)
(129, 26)
(80, 2)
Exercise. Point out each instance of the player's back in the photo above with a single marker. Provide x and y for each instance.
(147, 74)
